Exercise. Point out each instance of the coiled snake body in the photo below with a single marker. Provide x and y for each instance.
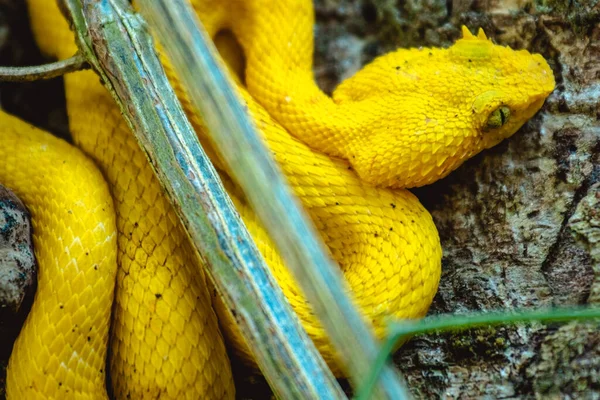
(407, 119)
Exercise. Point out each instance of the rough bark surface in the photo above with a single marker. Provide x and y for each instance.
(17, 262)
(520, 223)
(17, 270)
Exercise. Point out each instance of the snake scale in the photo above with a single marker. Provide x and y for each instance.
(407, 119)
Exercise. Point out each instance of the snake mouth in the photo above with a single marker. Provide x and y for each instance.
(535, 105)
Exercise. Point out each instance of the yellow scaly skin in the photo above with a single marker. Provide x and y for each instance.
(165, 339)
(406, 120)
(62, 348)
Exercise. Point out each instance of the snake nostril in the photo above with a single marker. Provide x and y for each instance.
(369, 13)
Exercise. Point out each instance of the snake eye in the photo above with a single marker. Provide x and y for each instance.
(498, 117)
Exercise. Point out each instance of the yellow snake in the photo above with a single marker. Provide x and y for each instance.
(407, 119)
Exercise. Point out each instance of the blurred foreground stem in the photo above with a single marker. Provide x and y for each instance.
(213, 95)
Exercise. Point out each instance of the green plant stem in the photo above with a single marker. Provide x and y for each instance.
(443, 323)
(46, 71)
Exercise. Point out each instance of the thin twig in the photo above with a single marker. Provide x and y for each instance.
(45, 71)
(194, 59)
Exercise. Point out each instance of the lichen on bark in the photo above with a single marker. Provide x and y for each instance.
(18, 270)
(17, 261)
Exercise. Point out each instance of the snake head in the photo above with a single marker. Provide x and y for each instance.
(432, 109)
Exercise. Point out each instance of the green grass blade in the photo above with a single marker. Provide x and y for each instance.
(444, 323)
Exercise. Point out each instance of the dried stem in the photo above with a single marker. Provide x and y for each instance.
(115, 42)
(46, 71)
